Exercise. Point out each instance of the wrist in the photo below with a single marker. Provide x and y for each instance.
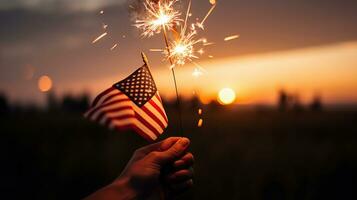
(124, 189)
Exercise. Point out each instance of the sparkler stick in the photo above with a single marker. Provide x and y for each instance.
(174, 77)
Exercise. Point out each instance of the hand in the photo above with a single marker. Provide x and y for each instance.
(164, 163)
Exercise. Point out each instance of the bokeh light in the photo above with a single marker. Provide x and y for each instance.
(226, 96)
(44, 83)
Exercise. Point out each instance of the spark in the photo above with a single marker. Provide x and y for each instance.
(200, 111)
(99, 37)
(156, 50)
(113, 47)
(101, 12)
(197, 72)
(200, 25)
(208, 14)
(200, 123)
(212, 2)
(187, 16)
(159, 15)
(232, 37)
(201, 52)
(210, 56)
(208, 44)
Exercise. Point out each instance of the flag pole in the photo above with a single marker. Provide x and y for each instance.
(146, 61)
(174, 78)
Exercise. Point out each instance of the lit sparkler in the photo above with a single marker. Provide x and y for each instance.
(182, 50)
(160, 15)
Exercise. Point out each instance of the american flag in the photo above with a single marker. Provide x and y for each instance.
(133, 103)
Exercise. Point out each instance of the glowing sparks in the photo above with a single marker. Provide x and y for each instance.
(200, 111)
(206, 43)
(156, 50)
(201, 52)
(99, 37)
(113, 47)
(232, 37)
(212, 2)
(101, 12)
(200, 123)
(210, 56)
(182, 50)
(197, 72)
(159, 15)
(200, 24)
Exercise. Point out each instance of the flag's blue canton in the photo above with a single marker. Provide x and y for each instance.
(139, 86)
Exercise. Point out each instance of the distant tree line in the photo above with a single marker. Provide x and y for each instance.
(287, 101)
(80, 103)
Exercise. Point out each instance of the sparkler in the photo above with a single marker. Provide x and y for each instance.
(178, 52)
(161, 16)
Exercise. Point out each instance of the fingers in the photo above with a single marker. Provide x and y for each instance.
(185, 161)
(175, 151)
(180, 176)
(159, 146)
(171, 154)
(167, 143)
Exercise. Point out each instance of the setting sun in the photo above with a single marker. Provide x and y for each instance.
(226, 96)
(44, 83)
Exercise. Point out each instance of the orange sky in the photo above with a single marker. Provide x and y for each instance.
(329, 71)
(295, 45)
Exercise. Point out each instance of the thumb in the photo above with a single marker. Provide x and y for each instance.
(172, 153)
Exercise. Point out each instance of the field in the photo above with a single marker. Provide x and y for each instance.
(240, 154)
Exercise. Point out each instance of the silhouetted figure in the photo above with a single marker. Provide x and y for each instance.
(4, 106)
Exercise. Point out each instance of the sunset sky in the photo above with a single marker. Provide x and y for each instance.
(305, 47)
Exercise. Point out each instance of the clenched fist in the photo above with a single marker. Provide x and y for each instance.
(165, 166)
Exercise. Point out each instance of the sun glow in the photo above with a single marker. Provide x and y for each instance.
(226, 96)
(44, 83)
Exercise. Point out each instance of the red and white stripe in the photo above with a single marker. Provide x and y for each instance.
(114, 109)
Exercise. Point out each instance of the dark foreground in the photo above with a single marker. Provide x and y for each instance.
(239, 155)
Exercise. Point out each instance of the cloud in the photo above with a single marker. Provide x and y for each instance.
(52, 5)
